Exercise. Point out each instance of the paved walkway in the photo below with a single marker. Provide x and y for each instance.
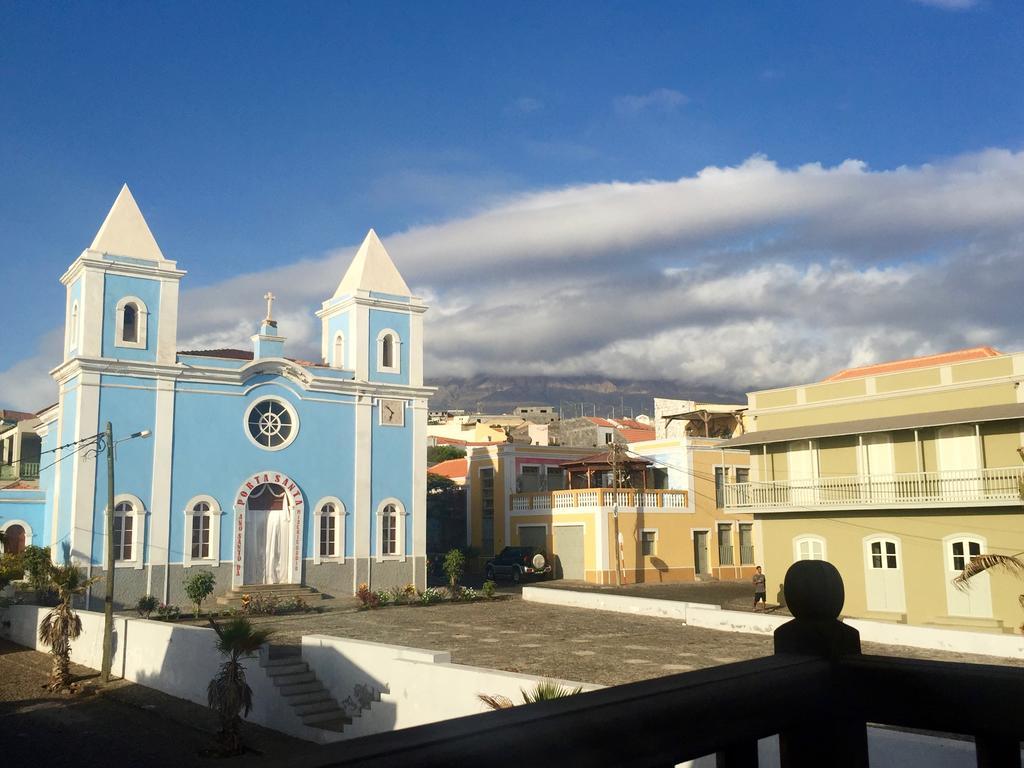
(552, 641)
(116, 724)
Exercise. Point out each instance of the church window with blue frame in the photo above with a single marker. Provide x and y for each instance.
(271, 424)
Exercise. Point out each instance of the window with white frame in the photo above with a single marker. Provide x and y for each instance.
(338, 356)
(330, 530)
(202, 531)
(388, 352)
(129, 531)
(882, 555)
(391, 530)
(131, 321)
(809, 548)
(73, 329)
(649, 543)
(272, 423)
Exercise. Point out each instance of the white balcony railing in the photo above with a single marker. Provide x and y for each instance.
(968, 486)
(597, 497)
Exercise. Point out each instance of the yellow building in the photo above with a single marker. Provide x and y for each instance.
(668, 523)
(898, 474)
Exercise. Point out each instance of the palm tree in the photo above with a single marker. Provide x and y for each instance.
(228, 694)
(62, 625)
(545, 690)
(982, 563)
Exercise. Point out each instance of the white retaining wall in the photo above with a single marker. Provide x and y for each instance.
(417, 686)
(600, 601)
(177, 659)
(713, 617)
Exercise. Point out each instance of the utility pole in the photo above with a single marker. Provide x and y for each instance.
(108, 600)
(613, 450)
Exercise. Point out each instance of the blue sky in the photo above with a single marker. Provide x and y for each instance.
(257, 135)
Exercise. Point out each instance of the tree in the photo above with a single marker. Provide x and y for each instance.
(454, 564)
(438, 453)
(982, 563)
(228, 694)
(198, 587)
(62, 625)
(545, 690)
(38, 568)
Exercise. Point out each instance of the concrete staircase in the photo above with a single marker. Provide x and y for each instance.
(311, 702)
(233, 598)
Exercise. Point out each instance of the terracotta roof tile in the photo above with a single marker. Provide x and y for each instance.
(453, 468)
(944, 358)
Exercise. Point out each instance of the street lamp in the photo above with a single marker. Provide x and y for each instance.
(106, 442)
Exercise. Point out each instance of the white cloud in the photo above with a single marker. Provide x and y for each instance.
(736, 277)
(660, 100)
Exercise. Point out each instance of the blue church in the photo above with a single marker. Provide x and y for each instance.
(261, 468)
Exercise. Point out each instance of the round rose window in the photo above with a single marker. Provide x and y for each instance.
(271, 424)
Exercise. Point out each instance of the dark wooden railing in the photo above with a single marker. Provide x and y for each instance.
(818, 692)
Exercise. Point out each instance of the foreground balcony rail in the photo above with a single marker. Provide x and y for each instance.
(817, 693)
(597, 497)
(957, 486)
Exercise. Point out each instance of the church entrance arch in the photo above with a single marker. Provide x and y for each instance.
(268, 531)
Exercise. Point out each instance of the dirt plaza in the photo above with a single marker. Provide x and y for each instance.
(553, 641)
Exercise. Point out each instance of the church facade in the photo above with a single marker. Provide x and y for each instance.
(256, 466)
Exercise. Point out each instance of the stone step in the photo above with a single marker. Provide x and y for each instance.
(233, 597)
(288, 668)
(332, 725)
(326, 717)
(299, 699)
(293, 678)
(278, 658)
(305, 687)
(316, 707)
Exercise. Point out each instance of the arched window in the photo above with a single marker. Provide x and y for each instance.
(202, 531)
(809, 548)
(389, 352)
(391, 530)
(883, 574)
(73, 330)
(329, 530)
(131, 321)
(338, 358)
(129, 324)
(124, 531)
(14, 538)
(129, 531)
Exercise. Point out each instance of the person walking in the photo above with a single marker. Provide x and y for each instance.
(760, 589)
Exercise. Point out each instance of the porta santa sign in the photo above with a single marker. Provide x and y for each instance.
(293, 505)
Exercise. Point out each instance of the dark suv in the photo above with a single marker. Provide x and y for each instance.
(518, 563)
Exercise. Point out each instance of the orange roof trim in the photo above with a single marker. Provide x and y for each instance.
(943, 358)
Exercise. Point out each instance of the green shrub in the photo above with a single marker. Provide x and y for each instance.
(146, 605)
(454, 564)
(432, 595)
(261, 604)
(489, 590)
(167, 612)
(198, 587)
(38, 567)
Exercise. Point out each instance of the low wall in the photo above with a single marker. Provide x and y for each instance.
(416, 686)
(602, 601)
(713, 617)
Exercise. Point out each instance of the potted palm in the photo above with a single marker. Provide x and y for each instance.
(62, 625)
(228, 694)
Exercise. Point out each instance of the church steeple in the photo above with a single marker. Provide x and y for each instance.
(373, 325)
(125, 232)
(122, 293)
(372, 270)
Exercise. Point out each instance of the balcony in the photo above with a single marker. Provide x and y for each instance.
(952, 488)
(817, 693)
(593, 498)
(25, 470)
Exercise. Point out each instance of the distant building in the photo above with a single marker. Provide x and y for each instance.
(537, 414)
(595, 432)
